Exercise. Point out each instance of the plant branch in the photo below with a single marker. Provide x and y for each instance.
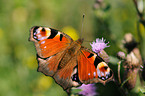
(140, 14)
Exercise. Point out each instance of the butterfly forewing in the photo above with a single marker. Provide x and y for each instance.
(48, 41)
(86, 66)
(50, 45)
(92, 68)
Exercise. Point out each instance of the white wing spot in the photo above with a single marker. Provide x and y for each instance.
(106, 76)
(98, 72)
(42, 38)
(35, 37)
(103, 78)
(38, 36)
(35, 33)
(107, 73)
(94, 73)
(102, 73)
(42, 42)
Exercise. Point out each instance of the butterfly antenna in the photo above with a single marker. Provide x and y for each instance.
(82, 25)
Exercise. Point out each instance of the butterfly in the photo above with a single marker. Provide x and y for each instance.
(66, 60)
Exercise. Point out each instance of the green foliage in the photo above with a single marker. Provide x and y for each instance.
(75, 91)
(18, 65)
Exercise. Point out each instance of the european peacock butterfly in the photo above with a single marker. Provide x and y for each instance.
(69, 63)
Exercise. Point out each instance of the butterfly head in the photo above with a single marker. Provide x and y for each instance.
(80, 41)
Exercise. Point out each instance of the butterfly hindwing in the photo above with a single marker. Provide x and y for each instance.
(64, 75)
(50, 65)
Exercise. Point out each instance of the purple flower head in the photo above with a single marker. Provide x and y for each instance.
(99, 45)
(88, 90)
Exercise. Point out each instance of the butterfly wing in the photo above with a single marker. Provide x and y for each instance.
(50, 45)
(92, 68)
(64, 76)
(65, 60)
(49, 41)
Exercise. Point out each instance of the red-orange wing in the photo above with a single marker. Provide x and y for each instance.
(92, 68)
(49, 41)
(50, 45)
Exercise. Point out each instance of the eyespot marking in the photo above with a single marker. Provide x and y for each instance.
(105, 67)
(41, 33)
(43, 29)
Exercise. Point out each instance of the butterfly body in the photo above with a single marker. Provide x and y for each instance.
(66, 60)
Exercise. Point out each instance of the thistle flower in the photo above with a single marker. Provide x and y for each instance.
(88, 90)
(99, 45)
(121, 55)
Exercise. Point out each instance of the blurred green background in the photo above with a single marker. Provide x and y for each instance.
(18, 65)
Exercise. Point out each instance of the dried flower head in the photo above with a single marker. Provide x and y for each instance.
(99, 45)
(121, 55)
